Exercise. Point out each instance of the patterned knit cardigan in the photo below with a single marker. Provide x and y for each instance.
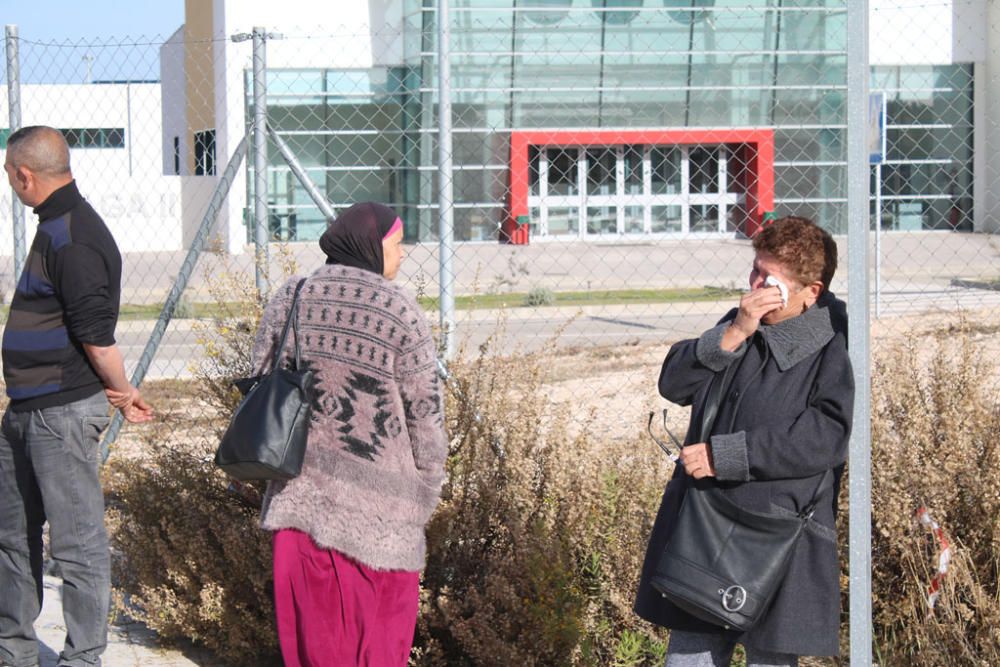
(374, 464)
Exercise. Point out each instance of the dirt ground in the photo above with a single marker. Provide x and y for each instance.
(616, 387)
(610, 390)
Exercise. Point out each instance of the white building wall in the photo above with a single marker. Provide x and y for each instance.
(313, 35)
(125, 185)
(174, 95)
(918, 32)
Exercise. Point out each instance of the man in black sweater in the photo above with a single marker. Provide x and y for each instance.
(61, 367)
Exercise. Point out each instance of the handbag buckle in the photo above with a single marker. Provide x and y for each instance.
(734, 598)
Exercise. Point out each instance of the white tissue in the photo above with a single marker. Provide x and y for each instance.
(774, 282)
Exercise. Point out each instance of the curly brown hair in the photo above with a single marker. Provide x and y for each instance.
(801, 246)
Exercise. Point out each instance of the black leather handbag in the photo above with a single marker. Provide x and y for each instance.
(723, 563)
(266, 437)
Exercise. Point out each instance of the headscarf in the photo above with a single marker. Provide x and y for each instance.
(355, 237)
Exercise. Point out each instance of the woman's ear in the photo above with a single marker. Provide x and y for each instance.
(813, 292)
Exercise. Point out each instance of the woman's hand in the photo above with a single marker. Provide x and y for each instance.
(697, 460)
(753, 306)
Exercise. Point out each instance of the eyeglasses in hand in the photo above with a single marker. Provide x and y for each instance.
(674, 456)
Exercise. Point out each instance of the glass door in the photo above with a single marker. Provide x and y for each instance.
(601, 196)
(629, 190)
(559, 192)
(668, 211)
(707, 181)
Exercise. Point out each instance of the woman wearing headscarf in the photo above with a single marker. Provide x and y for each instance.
(782, 423)
(349, 531)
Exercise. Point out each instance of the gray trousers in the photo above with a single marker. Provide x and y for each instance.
(49, 470)
(696, 649)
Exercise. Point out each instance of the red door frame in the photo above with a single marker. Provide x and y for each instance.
(759, 161)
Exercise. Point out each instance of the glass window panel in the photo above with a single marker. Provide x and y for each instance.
(666, 219)
(533, 222)
(704, 218)
(799, 181)
(534, 157)
(703, 163)
(542, 108)
(115, 138)
(634, 219)
(616, 18)
(479, 185)
(548, 18)
(736, 219)
(738, 173)
(633, 170)
(932, 143)
(601, 179)
(563, 179)
(906, 216)
(564, 221)
(602, 219)
(309, 224)
(353, 186)
(666, 167)
(91, 137)
(476, 224)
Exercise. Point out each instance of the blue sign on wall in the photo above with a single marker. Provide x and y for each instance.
(876, 128)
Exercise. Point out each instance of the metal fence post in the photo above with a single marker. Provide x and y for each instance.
(446, 210)
(260, 213)
(183, 276)
(858, 226)
(14, 111)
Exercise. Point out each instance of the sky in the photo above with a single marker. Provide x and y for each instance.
(88, 34)
(62, 20)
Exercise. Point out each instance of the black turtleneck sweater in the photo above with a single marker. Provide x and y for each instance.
(67, 295)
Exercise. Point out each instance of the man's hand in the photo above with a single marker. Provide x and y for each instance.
(107, 362)
(697, 460)
(131, 403)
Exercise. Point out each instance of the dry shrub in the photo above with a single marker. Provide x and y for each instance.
(192, 562)
(935, 444)
(534, 555)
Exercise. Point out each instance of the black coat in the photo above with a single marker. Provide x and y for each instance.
(783, 422)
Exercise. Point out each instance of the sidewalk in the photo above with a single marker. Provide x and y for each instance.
(129, 645)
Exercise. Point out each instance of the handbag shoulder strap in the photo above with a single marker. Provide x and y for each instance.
(293, 321)
(719, 385)
(807, 511)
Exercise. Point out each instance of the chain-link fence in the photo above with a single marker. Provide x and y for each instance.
(588, 171)
(608, 160)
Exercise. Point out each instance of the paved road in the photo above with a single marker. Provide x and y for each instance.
(529, 329)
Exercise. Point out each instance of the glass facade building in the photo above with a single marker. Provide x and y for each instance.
(627, 74)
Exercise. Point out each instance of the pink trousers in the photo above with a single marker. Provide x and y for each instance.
(334, 611)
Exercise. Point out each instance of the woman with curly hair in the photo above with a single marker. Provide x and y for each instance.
(782, 423)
